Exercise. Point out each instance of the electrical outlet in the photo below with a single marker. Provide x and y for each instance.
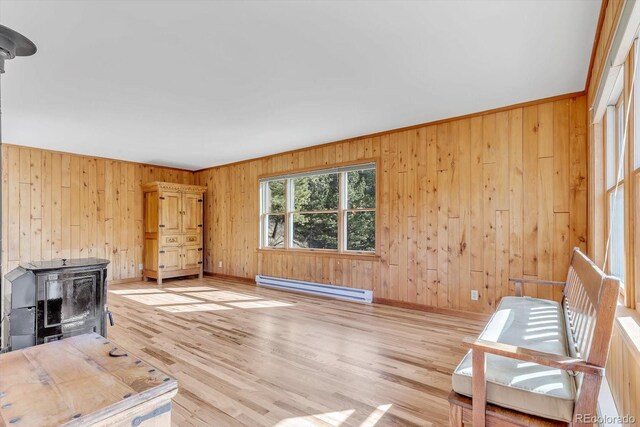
(474, 295)
(140, 266)
(219, 264)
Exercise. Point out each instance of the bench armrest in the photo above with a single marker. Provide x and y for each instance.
(566, 363)
(520, 281)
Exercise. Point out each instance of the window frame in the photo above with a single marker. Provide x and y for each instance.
(632, 213)
(615, 115)
(623, 98)
(265, 212)
(342, 169)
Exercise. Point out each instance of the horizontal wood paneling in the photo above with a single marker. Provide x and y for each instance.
(59, 205)
(464, 204)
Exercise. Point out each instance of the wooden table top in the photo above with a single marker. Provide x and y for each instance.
(74, 382)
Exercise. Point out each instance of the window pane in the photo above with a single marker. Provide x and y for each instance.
(361, 189)
(275, 230)
(636, 150)
(621, 131)
(361, 231)
(637, 240)
(315, 231)
(636, 110)
(611, 146)
(274, 196)
(316, 193)
(616, 226)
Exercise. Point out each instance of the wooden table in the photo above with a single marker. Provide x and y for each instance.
(76, 382)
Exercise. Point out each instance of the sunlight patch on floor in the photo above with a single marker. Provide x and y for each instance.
(336, 418)
(162, 299)
(259, 304)
(221, 296)
(136, 291)
(376, 415)
(188, 308)
(192, 289)
(191, 299)
(331, 418)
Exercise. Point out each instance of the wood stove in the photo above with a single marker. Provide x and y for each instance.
(51, 300)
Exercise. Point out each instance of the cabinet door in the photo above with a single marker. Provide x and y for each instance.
(192, 212)
(171, 258)
(170, 212)
(191, 257)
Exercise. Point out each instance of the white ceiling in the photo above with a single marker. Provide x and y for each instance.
(200, 83)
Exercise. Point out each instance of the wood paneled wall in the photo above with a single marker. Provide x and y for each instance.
(623, 366)
(59, 205)
(464, 204)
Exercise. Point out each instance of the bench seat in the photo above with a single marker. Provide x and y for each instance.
(532, 323)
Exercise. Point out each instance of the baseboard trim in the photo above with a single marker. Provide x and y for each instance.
(431, 309)
(247, 280)
(382, 301)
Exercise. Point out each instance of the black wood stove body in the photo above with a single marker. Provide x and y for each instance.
(51, 300)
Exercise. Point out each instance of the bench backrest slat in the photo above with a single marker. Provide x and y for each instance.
(589, 304)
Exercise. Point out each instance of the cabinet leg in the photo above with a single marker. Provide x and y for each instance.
(200, 275)
(145, 279)
(159, 280)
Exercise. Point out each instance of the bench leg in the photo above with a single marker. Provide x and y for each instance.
(587, 404)
(455, 415)
(479, 388)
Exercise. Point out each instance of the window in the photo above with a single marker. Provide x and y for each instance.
(618, 185)
(331, 210)
(614, 152)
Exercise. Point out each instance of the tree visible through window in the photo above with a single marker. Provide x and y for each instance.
(361, 215)
(323, 210)
(315, 211)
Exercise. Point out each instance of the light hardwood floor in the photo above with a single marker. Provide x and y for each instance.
(245, 355)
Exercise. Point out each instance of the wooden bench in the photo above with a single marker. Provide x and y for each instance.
(539, 362)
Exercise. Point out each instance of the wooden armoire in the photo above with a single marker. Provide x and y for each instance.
(173, 228)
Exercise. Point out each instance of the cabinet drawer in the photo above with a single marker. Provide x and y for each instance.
(192, 239)
(170, 240)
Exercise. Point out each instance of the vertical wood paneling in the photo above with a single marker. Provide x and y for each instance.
(475, 183)
(516, 206)
(578, 171)
(623, 369)
(62, 205)
(463, 205)
(530, 190)
(459, 208)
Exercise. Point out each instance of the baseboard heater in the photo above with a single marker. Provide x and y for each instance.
(341, 292)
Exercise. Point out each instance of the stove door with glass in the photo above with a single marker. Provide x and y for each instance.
(70, 303)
